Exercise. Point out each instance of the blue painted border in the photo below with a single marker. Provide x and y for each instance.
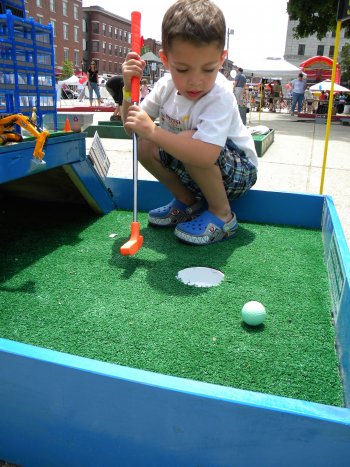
(71, 411)
(17, 161)
(299, 209)
(333, 232)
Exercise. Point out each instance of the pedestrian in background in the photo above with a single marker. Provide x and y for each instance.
(240, 81)
(114, 86)
(93, 83)
(298, 87)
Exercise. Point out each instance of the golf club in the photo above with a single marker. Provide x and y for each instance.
(136, 240)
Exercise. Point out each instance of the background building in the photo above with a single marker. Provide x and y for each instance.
(66, 18)
(106, 40)
(83, 34)
(298, 50)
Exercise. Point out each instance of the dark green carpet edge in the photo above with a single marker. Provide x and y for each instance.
(64, 286)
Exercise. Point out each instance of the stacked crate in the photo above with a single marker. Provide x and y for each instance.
(27, 66)
(15, 6)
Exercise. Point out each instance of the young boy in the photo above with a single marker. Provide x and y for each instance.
(201, 151)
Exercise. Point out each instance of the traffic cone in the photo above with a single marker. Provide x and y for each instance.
(67, 125)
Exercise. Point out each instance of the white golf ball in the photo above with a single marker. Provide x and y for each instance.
(253, 313)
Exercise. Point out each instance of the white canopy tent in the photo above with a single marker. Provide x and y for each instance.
(71, 84)
(326, 86)
(72, 81)
(273, 68)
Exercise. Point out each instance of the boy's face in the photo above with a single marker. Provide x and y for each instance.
(193, 68)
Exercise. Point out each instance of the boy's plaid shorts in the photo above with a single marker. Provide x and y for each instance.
(238, 173)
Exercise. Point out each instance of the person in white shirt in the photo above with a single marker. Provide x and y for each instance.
(298, 87)
(201, 151)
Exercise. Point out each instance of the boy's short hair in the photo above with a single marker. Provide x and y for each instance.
(195, 21)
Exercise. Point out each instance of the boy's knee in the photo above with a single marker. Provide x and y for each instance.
(147, 150)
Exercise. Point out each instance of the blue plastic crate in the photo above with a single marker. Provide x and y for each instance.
(17, 7)
(27, 67)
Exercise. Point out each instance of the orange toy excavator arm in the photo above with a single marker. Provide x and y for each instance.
(7, 122)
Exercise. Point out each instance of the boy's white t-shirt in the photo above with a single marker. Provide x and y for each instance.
(215, 116)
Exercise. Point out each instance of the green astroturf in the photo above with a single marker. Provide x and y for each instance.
(64, 286)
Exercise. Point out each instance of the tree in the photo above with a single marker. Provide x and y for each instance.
(315, 17)
(345, 63)
(67, 70)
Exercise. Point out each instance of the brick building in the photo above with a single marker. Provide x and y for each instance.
(82, 34)
(106, 39)
(66, 17)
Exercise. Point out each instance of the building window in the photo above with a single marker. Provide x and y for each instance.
(95, 46)
(53, 24)
(301, 49)
(104, 47)
(116, 33)
(65, 31)
(116, 51)
(331, 50)
(110, 49)
(84, 44)
(110, 31)
(120, 51)
(120, 35)
(65, 8)
(52, 5)
(320, 50)
(76, 34)
(76, 12)
(95, 27)
(104, 29)
(40, 19)
(39, 3)
(104, 66)
(65, 54)
(85, 26)
(110, 67)
(76, 58)
(125, 51)
(125, 36)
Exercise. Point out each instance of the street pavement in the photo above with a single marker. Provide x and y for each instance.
(293, 163)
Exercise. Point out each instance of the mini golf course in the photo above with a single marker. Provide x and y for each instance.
(64, 286)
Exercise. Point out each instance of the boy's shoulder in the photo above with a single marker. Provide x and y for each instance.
(222, 85)
(164, 84)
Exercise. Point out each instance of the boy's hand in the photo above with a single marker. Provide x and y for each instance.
(139, 122)
(133, 66)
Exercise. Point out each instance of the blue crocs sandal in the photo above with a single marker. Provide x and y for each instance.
(175, 212)
(206, 229)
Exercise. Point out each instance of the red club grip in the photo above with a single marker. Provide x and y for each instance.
(135, 47)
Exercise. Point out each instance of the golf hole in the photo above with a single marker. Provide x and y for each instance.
(200, 276)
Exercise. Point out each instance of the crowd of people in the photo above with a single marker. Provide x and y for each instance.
(294, 96)
(269, 94)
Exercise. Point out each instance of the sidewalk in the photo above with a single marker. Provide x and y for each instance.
(292, 163)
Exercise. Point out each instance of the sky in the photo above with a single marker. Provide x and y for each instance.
(260, 27)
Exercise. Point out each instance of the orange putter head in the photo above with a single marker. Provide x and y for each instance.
(135, 242)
